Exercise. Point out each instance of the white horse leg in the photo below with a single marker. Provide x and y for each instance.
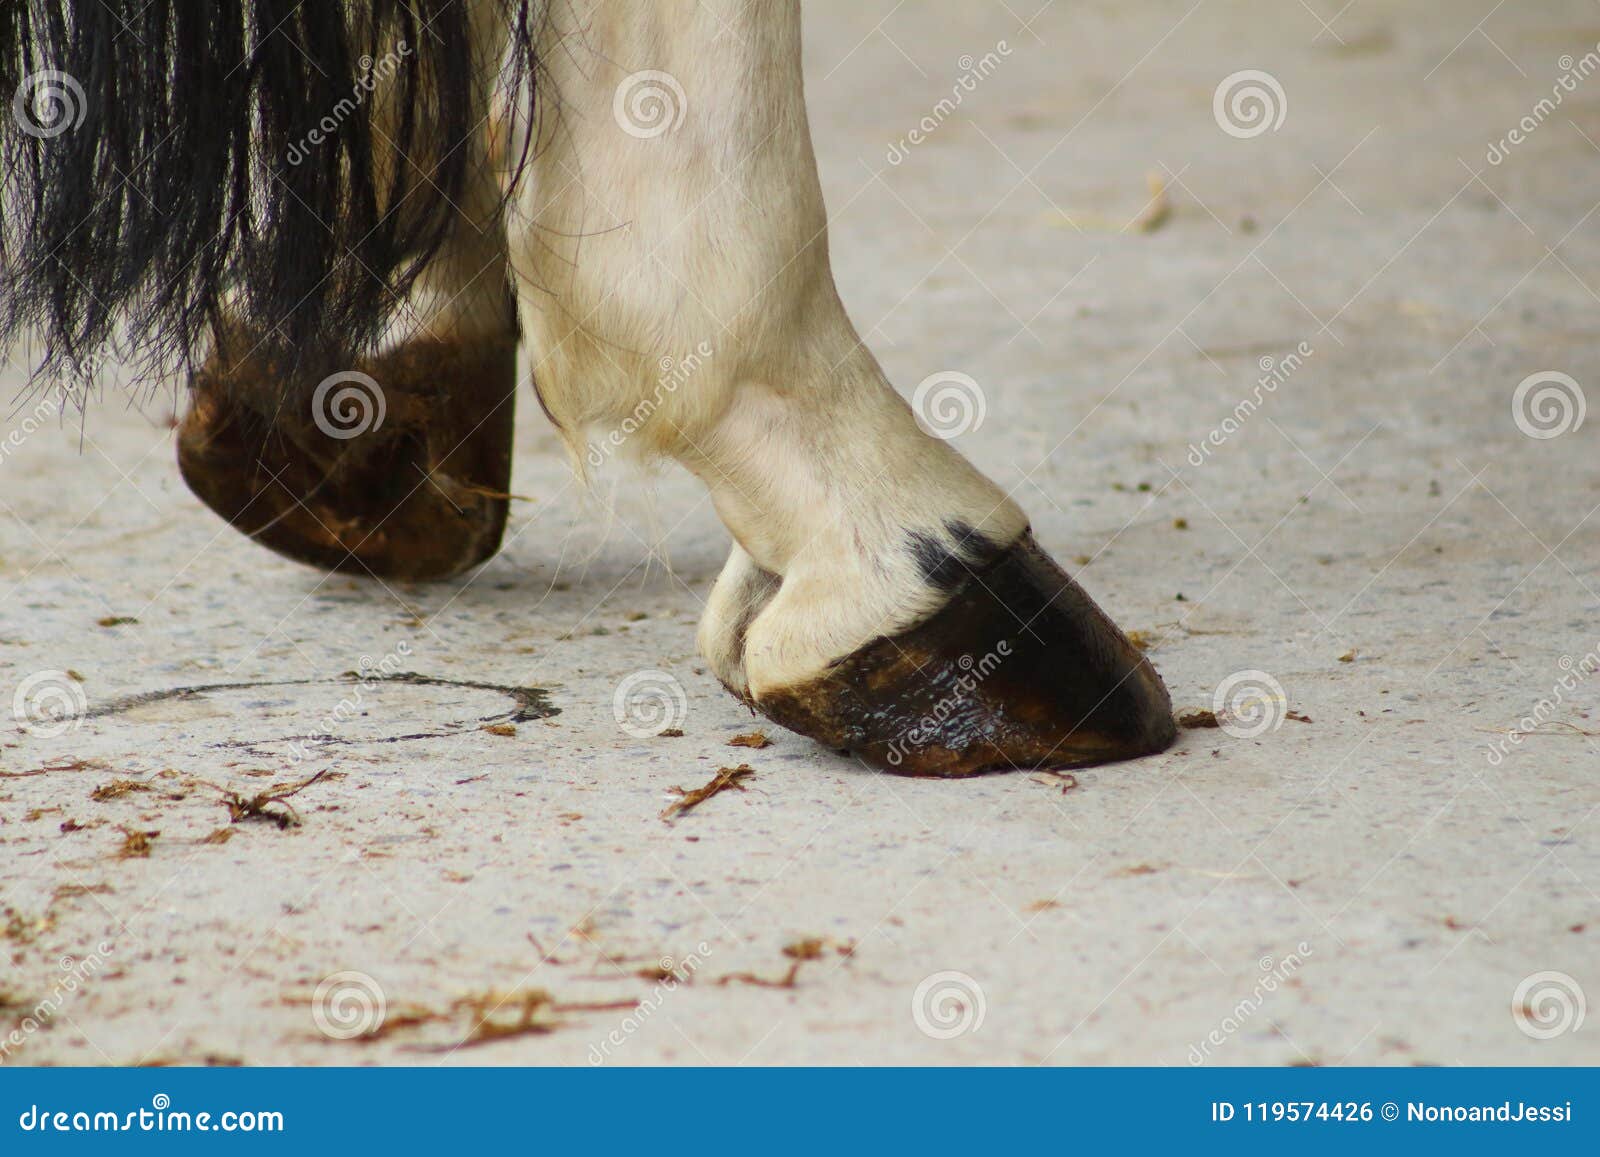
(883, 595)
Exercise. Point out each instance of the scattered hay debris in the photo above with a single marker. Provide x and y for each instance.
(1158, 209)
(726, 778)
(1065, 780)
(405, 1016)
(1140, 870)
(16, 927)
(220, 836)
(593, 1005)
(68, 891)
(1348, 657)
(116, 621)
(1143, 640)
(1043, 906)
(135, 844)
(503, 729)
(529, 1010)
(809, 948)
(672, 733)
(271, 806)
(755, 739)
(1560, 724)
(1200, 717)
(1298, 717)
(544, 957)
(787, 980)
(116, 789)
(816, 947)
(489, 1017)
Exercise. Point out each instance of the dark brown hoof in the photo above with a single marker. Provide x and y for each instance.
(1020, 669)
(399, 468)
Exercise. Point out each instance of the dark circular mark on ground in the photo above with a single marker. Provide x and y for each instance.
(529, 703)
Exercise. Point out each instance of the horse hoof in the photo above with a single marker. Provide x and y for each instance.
(1019, 669)
(399, 469)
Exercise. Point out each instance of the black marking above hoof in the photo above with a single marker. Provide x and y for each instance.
(1020, 669)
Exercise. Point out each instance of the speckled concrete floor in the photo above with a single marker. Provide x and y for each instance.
(1388, 875)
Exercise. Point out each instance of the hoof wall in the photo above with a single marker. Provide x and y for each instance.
(1020, 669)
(418, 492)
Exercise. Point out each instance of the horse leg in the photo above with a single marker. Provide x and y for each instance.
(400, 464)
(883, 595)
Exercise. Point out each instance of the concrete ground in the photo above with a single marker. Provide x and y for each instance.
(1401, 867)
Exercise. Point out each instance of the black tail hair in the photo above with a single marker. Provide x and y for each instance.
(164, 157)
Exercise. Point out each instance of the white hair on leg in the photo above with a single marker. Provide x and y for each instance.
(713, 235)
(671, 247)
